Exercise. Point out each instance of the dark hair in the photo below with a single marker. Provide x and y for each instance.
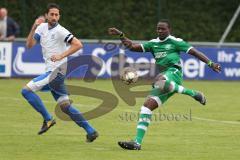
(52, 5)
(165, 21)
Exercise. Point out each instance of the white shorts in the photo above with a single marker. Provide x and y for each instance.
(46, 82)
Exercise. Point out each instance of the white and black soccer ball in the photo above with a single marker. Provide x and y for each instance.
(129, 75)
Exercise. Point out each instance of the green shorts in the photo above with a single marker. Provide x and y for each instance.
(172, 74)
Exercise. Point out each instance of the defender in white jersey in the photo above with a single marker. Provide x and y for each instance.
(54, 39)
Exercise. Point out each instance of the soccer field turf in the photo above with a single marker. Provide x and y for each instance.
(203, 132)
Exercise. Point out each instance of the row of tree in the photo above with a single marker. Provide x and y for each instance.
(192, 20)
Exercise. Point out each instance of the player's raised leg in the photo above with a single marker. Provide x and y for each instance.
(170, 86)
(170, 82)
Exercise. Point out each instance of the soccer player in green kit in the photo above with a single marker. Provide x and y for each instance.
(166, 51)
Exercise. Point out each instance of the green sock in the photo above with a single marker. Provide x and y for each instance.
(179, 89)
(143, 123)
(189, 92)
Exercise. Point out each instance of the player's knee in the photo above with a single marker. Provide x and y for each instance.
(25, 91)
(171, 87)
(164, 86)
(151, 103)
(160, 77)
(64, 105)
(159, 81)
(160, 84)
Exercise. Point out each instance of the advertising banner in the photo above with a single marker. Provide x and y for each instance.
(29, 62)
(5, 59)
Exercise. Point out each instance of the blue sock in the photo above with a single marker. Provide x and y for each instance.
(77, 117)
(37, 104)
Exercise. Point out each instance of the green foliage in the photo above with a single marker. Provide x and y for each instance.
(199, 20)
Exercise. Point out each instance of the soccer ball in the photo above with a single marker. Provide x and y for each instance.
(129, 75)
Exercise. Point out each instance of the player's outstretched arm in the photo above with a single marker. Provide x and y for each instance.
(215, 66)
(126, 42)
(75, 46)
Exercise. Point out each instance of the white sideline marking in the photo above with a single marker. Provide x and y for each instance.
(196, 118)
(217, 121)
(101, 149)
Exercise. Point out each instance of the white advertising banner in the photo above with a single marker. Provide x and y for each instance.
(5, 59)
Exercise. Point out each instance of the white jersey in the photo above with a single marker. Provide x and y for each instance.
(53, 41)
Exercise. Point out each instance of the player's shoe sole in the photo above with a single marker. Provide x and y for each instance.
(91, 137)
(131, 145)
(46, 125)
(200, 98)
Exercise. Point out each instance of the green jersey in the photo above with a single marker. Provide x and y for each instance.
(166, 52)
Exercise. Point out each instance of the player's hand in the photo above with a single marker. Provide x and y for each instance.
(38, 21)
(56, 57)
(216, 67)
(114, 31)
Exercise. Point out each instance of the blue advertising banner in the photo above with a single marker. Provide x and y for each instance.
(29, 62)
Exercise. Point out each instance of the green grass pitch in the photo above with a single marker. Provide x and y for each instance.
(209, 132)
